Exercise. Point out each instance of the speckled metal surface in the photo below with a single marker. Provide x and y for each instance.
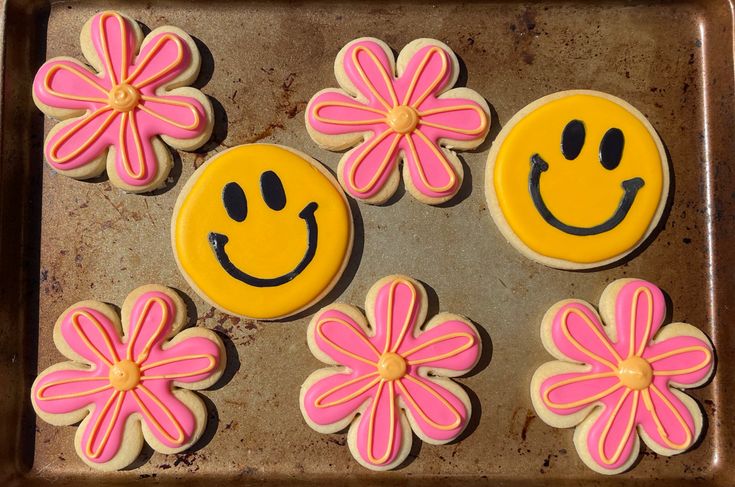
(65, 240)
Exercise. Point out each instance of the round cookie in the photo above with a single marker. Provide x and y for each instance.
(389, 373)
(131, 388)
(620, 374)
(121, 115)
(392, 110)
(577, 179)
(262, 231)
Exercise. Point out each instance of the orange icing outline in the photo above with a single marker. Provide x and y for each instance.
(412, 401)
(386, 78)
(318, 402)
(460, 334)
(362, 337)
(371, 423)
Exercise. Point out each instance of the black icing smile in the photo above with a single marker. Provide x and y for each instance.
(630, 187)
(274, 196)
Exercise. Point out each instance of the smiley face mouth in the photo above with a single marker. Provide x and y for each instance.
(630, 187)
(218, 241)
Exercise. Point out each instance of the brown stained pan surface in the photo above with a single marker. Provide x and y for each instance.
(64, 241)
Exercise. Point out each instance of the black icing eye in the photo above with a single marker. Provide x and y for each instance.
(611, 148)
(272, 190)
(235, 203)
(572, 139)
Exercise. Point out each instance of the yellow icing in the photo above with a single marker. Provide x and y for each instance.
(268, 243)
(580, 192)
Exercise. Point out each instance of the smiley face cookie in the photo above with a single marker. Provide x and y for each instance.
(262, 231)
(577, 179)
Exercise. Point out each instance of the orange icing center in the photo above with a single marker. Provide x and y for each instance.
(124, 375)
(124, 97)
(402, 119)
(635, 373)
(391, 366)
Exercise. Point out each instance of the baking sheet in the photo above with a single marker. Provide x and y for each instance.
(65, 240)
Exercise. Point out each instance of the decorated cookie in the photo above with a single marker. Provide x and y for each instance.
(262, 231)
(622, 379)
(414, 117)
(577, 179)
(391, 374)
(117, 114)
(126, 390)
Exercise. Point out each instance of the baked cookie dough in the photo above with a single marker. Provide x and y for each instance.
(119, 115)
(577, 179)
(262, 231)
(619, 375)
(131, 388)
(415, 117)
(389, 374)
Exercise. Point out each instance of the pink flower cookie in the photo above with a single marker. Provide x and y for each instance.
(126, 390)
(618, 381)
(113, 116)
(414, 117)
(392, 372)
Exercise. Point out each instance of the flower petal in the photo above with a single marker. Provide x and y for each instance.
(370, 69)
(191, 360)
(104, 428)
(81, 141)
(453, 119)
(451, 345)
(344, 341)
(149, 324)
(611, 440)
(168, 419)
(176, 116)
(65, 83)
(438, 413)
(380, 432)
(161, 59)
(395, 312)
(682, 359)
(426, 74)
(367, 168)
(135, 160)
(428, 165)
(640, 309)
(577, 334)
(91, 335)
(666, 420)
(331, 112)
(336, 397)
(68, 390)
(567, 394)
(115, 43)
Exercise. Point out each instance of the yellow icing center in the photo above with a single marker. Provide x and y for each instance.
(124, 97)
(124, 375)
(635, 373)
(402, 119)
(391, 366)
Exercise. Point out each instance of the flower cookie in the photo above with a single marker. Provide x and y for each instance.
(617, 381)
(577, 179)
(414, 117)
(392, 373)
(117, 115)
(126, 390)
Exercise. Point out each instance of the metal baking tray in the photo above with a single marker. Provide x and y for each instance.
(63, 240)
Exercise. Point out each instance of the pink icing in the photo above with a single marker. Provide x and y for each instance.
(334, 112)
(449, 348)
(682, 359)
(98, 343)
(67, 84)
